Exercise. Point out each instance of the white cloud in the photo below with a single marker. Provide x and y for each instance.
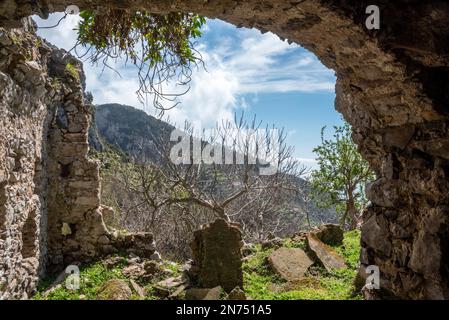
(250, 63)
(211, 97)
(243, 62)
(110, 87)
(62, 36)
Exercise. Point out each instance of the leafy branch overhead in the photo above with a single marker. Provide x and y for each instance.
(160, 46)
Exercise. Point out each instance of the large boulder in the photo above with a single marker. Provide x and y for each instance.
(114, 289)
(324, 254)
(290, 263)
(217, 257)
(331, 234)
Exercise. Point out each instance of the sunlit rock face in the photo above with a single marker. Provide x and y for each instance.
(393, 87)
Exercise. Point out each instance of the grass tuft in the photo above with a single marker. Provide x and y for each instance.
(73, 71)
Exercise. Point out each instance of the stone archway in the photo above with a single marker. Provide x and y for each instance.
(392, 86)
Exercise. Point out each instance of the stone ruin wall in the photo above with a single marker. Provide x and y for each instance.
(50, 213)
(392, 86)
(45, 177)
(24, 100)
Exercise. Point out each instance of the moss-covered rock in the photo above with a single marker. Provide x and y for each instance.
(115, 289)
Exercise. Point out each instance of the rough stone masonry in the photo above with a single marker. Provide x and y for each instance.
(392, 87)
(217, 257)
(50, 213)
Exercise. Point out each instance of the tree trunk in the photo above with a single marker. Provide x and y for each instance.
(221, 214)
(352, 213)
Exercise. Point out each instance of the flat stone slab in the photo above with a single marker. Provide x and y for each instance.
(325, 254)
(171, 283)
(290, 263)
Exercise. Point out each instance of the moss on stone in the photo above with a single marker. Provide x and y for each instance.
(73, 71)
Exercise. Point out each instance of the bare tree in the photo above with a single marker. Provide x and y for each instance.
(232, 161)
(237, 171)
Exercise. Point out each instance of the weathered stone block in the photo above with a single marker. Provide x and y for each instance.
(324, 254)
(216, 250)
(376, 235)
(290, 263)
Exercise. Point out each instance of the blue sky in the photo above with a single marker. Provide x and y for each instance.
(246, 71)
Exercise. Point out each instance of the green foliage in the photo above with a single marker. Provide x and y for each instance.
(125, 30)
(110, 159)
(257, 263)
(159, 46)
(92, 277)
(56, 82)
(261, 283)
(73, 71)
(173, 266)
(342, 174)
(14, 38)
(289, 243)
(350, 250)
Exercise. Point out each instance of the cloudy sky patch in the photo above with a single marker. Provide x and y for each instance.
(245, 71)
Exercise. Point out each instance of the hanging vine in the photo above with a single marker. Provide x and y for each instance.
(160, 46)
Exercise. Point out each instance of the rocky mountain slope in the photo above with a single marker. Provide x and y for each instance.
(128, 130)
